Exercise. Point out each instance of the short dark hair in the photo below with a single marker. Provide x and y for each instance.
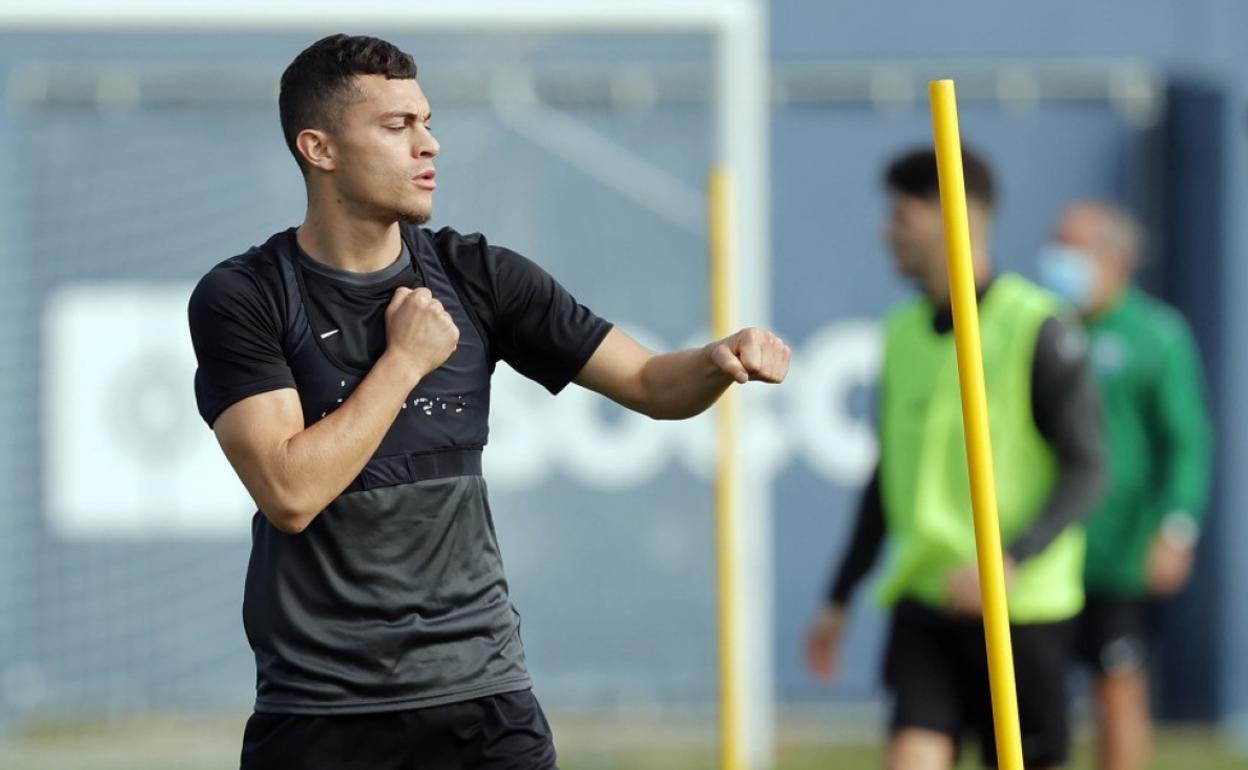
(914, 173)
(318, 84)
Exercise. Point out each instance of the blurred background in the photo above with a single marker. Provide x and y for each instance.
(135, 157)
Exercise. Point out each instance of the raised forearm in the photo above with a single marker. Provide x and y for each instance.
(672, 386)
(315, 465)
(294, 471)
(681, 384)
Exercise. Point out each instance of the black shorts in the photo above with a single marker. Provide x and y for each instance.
(1113, 634)
(498, 732)
(936, 669)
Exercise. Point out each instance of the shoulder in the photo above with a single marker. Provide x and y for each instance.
(1160, 321)
(454, 247)
(1054, 324)
(450, 239)
(1023, 293)
(907, 311)
(236, 273)
(500, 273)
(470, 252)
(1062, 339)
(248, 280)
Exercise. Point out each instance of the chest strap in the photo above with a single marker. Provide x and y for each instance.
(417, 466)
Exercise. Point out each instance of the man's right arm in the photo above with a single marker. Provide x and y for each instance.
(864, 545)
(293, 472)
(824, 638)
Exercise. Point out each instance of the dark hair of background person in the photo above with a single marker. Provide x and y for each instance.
(914, 173)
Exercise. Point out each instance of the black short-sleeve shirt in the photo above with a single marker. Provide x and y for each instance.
(236, 317)
(394, 596)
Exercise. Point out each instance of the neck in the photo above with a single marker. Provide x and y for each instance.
(1103, 307)
(335, 236)
(936, 282)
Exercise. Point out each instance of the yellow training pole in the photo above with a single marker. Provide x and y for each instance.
(975, 423)
(727, 499)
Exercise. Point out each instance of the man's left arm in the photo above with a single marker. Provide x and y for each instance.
(1066, 409)
(1183, 424)
(1185, 435)
(674, 386)
(536, 326)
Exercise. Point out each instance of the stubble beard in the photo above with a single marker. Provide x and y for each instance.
(416, 213)
(415, 217)
(400, 204)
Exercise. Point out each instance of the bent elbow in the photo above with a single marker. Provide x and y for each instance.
(291, 524)
(668, 413)
(288, 516)
(674, 414)
(286, 521)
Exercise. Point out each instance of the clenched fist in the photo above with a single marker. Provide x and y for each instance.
(419, 330)
(752, 354)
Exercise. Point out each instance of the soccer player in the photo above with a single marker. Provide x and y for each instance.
(1047, 454)
(1142, 536)
(344, 367)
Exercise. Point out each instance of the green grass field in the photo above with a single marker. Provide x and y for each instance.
(1182, 751)
(164, 743)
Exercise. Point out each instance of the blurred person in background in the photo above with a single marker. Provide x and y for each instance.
(1047, 449)
(345, 368)
(1142, 536)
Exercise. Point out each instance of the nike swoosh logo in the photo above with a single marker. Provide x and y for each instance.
(329, 334)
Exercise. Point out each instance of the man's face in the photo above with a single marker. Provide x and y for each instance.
(1082, 228)
(916, 235)
(384, 151)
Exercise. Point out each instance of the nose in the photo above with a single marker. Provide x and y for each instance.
(426, 145)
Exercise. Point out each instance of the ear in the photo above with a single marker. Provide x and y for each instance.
(316, 148)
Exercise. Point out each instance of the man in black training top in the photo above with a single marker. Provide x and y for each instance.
(345, 369)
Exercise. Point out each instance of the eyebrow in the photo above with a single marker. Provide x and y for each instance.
(405, 115)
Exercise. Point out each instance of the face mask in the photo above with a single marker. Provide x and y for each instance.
(1068, 273)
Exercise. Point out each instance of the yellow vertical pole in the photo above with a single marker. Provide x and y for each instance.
(975, 424)
(727, 499)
